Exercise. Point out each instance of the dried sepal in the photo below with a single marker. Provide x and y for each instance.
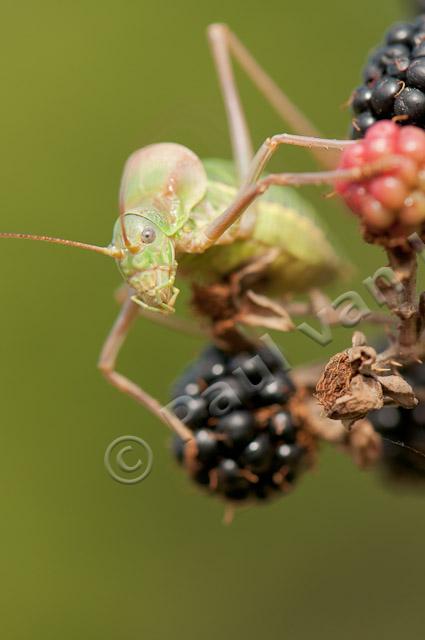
(364, 395)
(347, 389)
(362, 359)
(334, 382)
(353, 383)
(398, 391)
(259, 311)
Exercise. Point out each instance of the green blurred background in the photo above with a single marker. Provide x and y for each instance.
(83, 85)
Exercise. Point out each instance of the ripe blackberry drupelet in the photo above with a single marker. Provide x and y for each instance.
(406, 427)
(248, 444)
(394, 80)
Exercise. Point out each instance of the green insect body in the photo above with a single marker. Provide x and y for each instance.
(181, 216)
(168, 196)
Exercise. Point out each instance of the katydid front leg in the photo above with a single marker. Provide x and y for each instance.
(107, 362)
(270, 145)
(246, 196)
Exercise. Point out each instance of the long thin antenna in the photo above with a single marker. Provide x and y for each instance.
(131, 247)
(107, 251)
(123, 230)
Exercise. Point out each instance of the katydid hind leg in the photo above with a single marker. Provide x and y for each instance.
(238, 128)
(274, 95)
(107, 363)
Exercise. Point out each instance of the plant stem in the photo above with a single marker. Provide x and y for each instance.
(403, 303)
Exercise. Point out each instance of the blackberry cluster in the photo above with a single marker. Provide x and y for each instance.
(248, 444)
(394, 80)
(418, 6)
(403, 431)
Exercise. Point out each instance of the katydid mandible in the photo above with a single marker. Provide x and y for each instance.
(212, 216)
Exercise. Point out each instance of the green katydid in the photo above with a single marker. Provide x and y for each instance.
(209, 217)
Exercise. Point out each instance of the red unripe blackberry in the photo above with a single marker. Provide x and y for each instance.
(353, 156)
(390, 204)
(389, 190)
(394, 80)
(385, 129)
(411, 143)
(247, 442)
(377, 146)
(413, 212)
(375, 215)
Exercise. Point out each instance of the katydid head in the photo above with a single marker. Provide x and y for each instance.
(147, 261)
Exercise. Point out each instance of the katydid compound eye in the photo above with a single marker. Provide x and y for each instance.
(148, 235)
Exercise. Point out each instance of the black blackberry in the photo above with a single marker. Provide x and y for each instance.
(394, 80)
(237, 428)
(248, 444)
(417, 6)
(403, 431)
(383, 96)
(362, 123)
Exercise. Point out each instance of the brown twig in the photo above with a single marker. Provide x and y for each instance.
(334, 317)
(402, 301)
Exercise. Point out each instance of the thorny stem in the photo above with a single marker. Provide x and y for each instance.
(403, 303)
(408, 309)
(221, 304)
